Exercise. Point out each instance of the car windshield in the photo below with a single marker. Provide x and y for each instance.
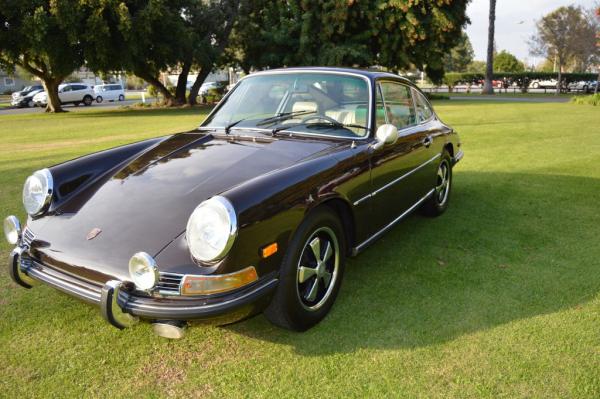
(301, 102)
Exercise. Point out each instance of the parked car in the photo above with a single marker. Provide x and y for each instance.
(68, 93)
(109, 92)
(582, 86)
(543, 84)
(26, 90)
(204, 89)
(256, 209)
(25, 100)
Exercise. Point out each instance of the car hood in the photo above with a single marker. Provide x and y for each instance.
(145, 204)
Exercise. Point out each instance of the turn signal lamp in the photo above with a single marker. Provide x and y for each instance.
(268, 250)
(205, 285)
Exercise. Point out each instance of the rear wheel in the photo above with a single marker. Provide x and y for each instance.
(87, 101)
(99, 99)
(438, 202)
(121, 97)
(311, 273)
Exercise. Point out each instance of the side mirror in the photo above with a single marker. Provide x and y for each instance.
(386, 134)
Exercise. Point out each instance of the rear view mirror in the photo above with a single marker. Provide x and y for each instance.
(386, 134)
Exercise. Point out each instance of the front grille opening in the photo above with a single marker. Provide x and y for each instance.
(169, 283)
(28, 236)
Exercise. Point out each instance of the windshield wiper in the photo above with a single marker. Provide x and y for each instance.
(283, 116)
(280, 116)
(316, 124)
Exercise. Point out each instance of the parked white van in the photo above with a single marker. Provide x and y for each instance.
(110, 92)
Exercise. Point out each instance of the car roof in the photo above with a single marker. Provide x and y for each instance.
(371, 74)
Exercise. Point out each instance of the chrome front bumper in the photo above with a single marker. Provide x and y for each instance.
(459, 155)
(121, 307)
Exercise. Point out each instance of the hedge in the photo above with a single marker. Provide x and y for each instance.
(522, 79)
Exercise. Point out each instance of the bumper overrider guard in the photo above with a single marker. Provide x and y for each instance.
(119, 304)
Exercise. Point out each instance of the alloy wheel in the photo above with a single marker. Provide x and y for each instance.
(318, 268)
(442, 187)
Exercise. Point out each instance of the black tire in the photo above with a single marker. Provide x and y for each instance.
(121, 97)
(30, 104)
(87, 101)
(99, 99)
(439, 200)
(291, 306)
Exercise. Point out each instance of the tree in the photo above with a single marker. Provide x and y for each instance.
(461, 56)
(488, 87)
(558, 37)
(477, 67)
(213, 31)
(394, 35)
(42, 37)
(506, 62)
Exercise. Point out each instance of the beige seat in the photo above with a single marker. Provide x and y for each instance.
(302, 106)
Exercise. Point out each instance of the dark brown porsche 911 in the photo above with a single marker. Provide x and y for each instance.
(255, 210)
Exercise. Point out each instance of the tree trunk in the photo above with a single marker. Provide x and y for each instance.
(559, 81)
(197, 83)
(488, 87)
(51, 87)
(169, 100)
(181, 88)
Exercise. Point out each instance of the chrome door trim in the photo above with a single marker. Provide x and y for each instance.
(369, 240)
(388, 185)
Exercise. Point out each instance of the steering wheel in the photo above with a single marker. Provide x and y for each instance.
(320, 117)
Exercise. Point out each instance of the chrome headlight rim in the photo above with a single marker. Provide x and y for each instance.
(43, 206)
(12, 230)
(225, 205)
(147, 261)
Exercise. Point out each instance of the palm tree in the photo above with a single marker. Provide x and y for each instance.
(488, 88)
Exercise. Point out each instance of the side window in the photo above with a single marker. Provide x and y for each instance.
(399, 106)
(380, 114)
(67, 88)
(424, 111)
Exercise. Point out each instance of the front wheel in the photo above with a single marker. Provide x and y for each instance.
(99, 99)
(311, 273)
(439, 199)
(121, 97)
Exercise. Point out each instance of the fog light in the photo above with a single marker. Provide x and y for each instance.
(143, 271)
(204, 285)
(12, 229)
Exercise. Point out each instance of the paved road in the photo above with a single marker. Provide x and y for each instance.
(103, 105)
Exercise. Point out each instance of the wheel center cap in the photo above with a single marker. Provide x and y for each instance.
(320, 269)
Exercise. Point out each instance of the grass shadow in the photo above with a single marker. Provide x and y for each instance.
(510, 247)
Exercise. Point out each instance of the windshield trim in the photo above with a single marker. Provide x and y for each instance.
(283, 71)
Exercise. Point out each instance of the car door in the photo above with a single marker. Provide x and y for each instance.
(396, 169)
(435, 133)
(66, 94)
(79, 91)
(112, 92)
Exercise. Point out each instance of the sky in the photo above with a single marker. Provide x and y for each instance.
(515, 23)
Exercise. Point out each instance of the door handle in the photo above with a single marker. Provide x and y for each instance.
(427, 141)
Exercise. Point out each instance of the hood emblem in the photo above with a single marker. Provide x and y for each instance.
(93, 233)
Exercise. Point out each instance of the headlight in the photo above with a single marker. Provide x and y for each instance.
(143, 271)
(37, 192)
(12, 230)
(211, 229)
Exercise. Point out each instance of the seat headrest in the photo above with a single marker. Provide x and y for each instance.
(305, 106)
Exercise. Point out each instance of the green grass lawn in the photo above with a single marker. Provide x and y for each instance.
(499, 297)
